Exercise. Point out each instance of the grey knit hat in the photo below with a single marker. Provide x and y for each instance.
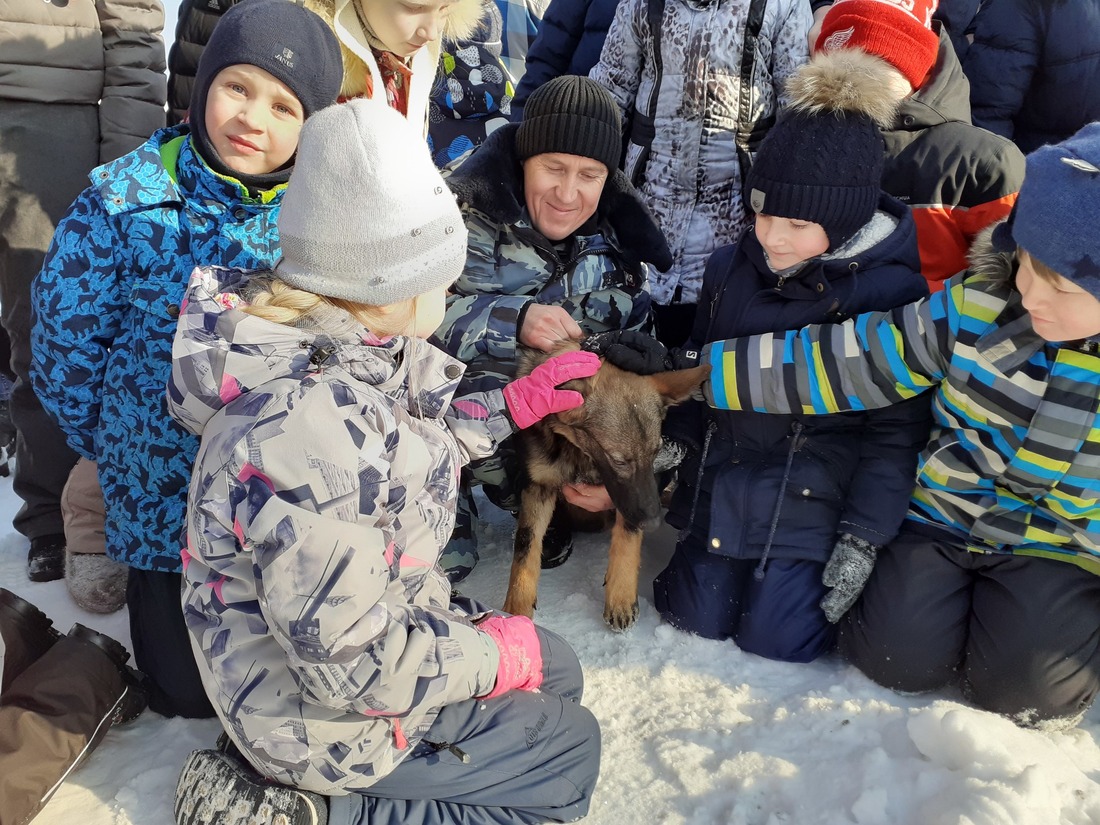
(572, 115)
(366, 216)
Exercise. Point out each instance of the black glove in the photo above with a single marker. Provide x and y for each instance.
(629, 350)
(846, 573)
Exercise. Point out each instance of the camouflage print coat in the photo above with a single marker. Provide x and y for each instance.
(599, 277)
(322, 495)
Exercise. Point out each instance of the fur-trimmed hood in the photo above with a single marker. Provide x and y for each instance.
(986, 259)
(462, 21)
(491, 181)
(846, 80)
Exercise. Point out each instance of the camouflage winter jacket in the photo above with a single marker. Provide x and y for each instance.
(599, 278)
(322, 495)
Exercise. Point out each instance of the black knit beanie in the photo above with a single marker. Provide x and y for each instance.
(572, 115)
(821, 167)
(287, 41)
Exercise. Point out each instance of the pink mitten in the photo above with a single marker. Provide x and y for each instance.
(533, 397)
(520, 653)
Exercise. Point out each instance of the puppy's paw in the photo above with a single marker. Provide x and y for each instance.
(620, 616)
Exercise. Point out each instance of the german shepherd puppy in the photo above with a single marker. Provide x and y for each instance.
(612, 440)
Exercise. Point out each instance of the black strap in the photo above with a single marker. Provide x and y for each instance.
(643, 124)
(749, 133)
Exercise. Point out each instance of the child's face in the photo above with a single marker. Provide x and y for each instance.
(404, 26)
(1060, 311)
(430, 309)
(787, 241)
(252, 119)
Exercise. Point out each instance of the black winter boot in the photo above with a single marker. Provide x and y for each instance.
(136, 699)
(557, 544)
(28, 633)
(46, 559)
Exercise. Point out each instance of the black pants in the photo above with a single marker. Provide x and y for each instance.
(162, 645)
(46, 153)
(1020, 635)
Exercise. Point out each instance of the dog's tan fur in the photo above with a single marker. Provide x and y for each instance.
(612, 440)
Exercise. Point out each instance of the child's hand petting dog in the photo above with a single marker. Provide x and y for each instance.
(533, 397)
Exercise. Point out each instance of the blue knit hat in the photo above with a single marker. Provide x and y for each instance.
(287, 41)
(1056, 219)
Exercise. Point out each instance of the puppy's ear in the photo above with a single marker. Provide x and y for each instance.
(586, 387)
(677, 386)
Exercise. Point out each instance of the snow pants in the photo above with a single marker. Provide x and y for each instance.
(46, 153)
(162, 645)
(520, 758)
(1021, 635)
(718, 597)
(55, 707)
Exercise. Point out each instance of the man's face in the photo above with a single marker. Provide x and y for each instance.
(562, 192)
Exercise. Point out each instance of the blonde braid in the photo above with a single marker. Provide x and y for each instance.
(282, 303)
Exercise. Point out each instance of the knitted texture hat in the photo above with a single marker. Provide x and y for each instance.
(367, 217)
(1057, 213)
(287, 41)
(898, 31)
(572, 115)
(822, 161)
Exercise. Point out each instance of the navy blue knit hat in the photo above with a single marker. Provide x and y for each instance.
(820, 167)
(1057, 213)
(287, 41)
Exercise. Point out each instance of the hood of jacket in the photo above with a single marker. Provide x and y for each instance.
(221, 353)
(989, 261)
(491, 181)
(462, 21)
(945, 95)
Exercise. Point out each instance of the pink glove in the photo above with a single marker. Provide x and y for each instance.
(533, 397)
(520, 653)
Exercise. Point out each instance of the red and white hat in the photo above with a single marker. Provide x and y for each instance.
(898, 31)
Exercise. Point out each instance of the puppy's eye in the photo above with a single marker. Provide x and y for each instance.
(616, 461)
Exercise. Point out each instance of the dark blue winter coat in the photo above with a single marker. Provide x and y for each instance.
(106, 304)
(1034, 69)
(569, 41)
(847, 473)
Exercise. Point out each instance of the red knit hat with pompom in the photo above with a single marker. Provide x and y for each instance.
(898, 31)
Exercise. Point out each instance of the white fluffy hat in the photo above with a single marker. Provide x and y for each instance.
(366, 216)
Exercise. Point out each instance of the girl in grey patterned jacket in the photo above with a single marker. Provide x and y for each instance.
(329, 640)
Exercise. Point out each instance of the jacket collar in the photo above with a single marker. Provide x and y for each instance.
(945, 96)
(491, 181)
(139, 179)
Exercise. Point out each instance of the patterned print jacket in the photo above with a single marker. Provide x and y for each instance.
(693, 179)
(106, 305)
(322, 495)
(1014, 457)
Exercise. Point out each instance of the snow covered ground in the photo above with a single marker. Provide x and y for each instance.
(695, 732)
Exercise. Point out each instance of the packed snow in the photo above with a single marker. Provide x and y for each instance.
(694, 731)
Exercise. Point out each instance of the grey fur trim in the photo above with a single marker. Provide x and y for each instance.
(984, 258)
(95, 582)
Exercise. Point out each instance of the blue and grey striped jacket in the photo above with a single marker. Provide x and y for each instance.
(1013, 462)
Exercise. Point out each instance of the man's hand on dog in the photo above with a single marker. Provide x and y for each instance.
(590, 497)
(545, 325)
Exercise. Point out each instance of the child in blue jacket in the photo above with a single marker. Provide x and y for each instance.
(767, 501)
(109, 294)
